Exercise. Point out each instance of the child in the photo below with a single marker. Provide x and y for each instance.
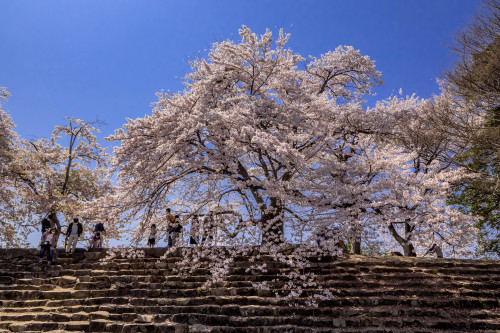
(49, 243)
(152, 236)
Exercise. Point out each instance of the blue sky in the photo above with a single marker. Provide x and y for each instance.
(107, 59)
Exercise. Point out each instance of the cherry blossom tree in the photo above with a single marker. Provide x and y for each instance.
(276, 150)
(8, 236)
(267, 139)
(244, 135)
(50, 178)
(432, 165)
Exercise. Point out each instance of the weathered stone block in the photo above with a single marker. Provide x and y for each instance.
(66, 280)
(99, 315)
(144, 318)
(98, 325)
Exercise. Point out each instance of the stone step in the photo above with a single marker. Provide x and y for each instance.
(375, 271)
(39, 326)
(43, 287)
(400, 291)
(243, 310)
(103, 325)
(131, 322)
(241, 267)
(375, 301)
(305, 329)
(105, 322)
(346, 262)
(43, 316)
(5, 274)
(175, 281)
(360, 260)
(349, 260)
(431, 302)
(342, 262)
(322, 322)
(437, 278)
(198, 328)
(58, 309)
(334, 267)
(414, 279)
(156, 282)
(403, 291)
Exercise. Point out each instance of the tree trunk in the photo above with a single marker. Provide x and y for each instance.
(356, 247)
(355, 232)
(408, 249)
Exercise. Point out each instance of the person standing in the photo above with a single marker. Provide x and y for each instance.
(170, 218)
(73, 232)
(194, 232)
(209, 228)
(48, 244)
(152, 236)
(435, 249)
(174, 230)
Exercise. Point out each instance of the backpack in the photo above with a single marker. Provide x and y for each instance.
(45, 225)
(99, 227)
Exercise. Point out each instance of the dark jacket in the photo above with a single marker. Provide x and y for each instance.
(174, 226)
(45, 225)
(80, 229)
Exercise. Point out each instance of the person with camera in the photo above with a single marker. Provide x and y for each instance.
(48, 244)
(174, 229)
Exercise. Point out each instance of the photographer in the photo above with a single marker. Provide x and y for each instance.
(49, 243)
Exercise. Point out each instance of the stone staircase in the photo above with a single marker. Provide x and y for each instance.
(371, 294)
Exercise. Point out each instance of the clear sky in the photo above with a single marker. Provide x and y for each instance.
(106, 59)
